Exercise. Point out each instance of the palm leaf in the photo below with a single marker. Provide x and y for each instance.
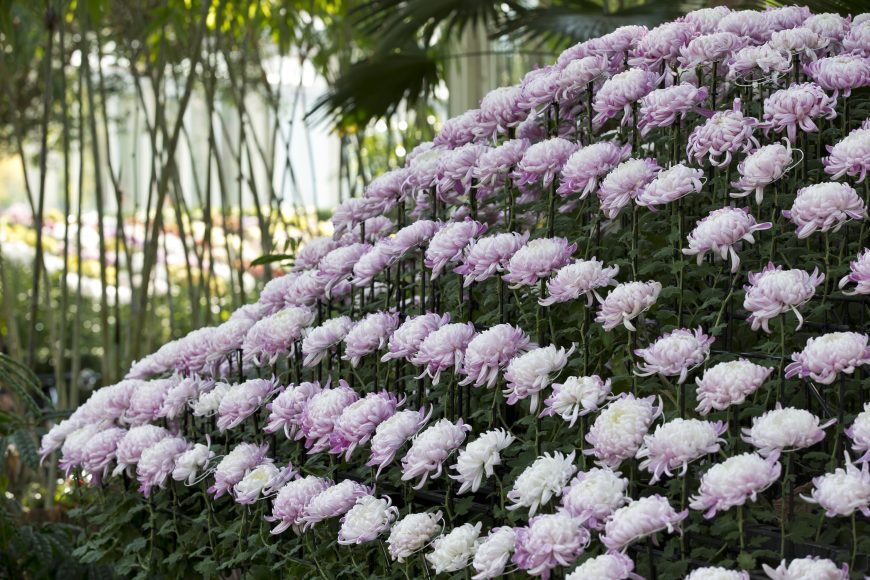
(578, 20)
(374, 87)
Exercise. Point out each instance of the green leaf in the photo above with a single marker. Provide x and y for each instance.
(271, 258)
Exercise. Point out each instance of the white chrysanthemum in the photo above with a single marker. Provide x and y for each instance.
(493, 553)
(529, 373)
(595, 494)
(717, 573)
(809, 568)
(256, 482)
(540, 481)
(191, 462)
(411, 534)
(843, 492)
(785, 429)
(576, 397)
(479, 458)
(366, 520)
(609, 566)
(678, 442)
(452, 551)
(619, 429)
(208, 403)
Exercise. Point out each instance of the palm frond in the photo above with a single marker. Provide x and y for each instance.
(374, 87)
(393, 22)
(578, 20)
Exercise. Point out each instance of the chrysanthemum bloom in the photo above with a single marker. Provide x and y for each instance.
(243, 400)
(538, 259)
(493, 553)
(490, 351)
(548, 541)
(177, 397)
(373, 229)
(576, 76)
(147, 401)
(55, 437)
(73, 448)
(486, 256)
(447, 244)
(677, 443)
(157, 462)
(729, 383)
(709, 48)
(675, 353)
(662, 107)
(857, 41)
(372, 264)
(588, 164)
(626, 182)
(593, 495)
(796, 107)
(110, 403)
(369, 335)
(830, 25)
(351, 212)
(841, 73)
(761, 168)
(746, 23)
(332, 502)
(758, 63)
(583, 277)
(391, 434)
(541, 481)
(825, 207)
(406, 340)
(786, 17)
(357, 423)
(319, 340)
(531, 372)
(539, 88)
(616, 44)
(619, 429)
(495, 164)
(366, 520)
(443, 348)
(805, 568)
(286, 409)
(309, 255)
(235, 464)
(430, 448)
(225, 341)
(639, 519)
(661, 45)
(130, 448)
(576, 397)
(785, 429)
(411, 533)
(99, 451)
(774, 291)
(386, 188)
(453, 551)
(542, 161)
(457, 131)
(706, 20)
(411, 237)
(337, 265)
(670, 185)
(799, 41)
(859, 433)
(321, 412)
(626, 302)
(265, 480)
(720, 231)
(619, 92)
(273, 294)
(306, 289)
(824, 357)
(290, 502)
(717, 573)
(479, 458)
(725, 133)
(609, 566)
(189, 464)
(850, 156)
(843, 492)
(499, 111)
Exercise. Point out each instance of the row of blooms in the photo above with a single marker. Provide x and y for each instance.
(487, 170)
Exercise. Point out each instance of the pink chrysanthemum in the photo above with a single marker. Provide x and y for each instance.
(785, 429)
(677, 443)
(842, 73)
(292, 499)
(406, 340)
(619, 429)
(358, 421)
(319, 340)
(796, 107)
(576, 397)
(725, 133)
(662, 107)
(542, 161)
(486, 256)
(537, 260)
(588, 164)
(443, 348)
(286, 409)
(490, 351)
(391, 434)
(720, 231)
(369, 335)
(729, 383)
(320, 414)
(670, 185)
(549, 541)
(859, 274)
(761, 168)
(619, 93)
(430, 448)
(583, 277)
(593, 495)
(626, 302)
(735, 480)
(639, 519)
(850, 156)
(531, 372)
(826, 356)
(625, 183)
(774, 291)
(675, 353)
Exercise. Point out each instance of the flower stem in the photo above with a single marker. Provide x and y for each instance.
(786, 500)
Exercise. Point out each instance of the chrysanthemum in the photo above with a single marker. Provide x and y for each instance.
(319, 340)
(589, 164)
(537, 260)
(825, 207)
(320, 413)
(479, 458)
(639, 519)
(805, 568)
(723, 134)
(290, 502)
(444, 348)
(493, 553)
(391, 434)
(243, 400)
(843, 492)
(548, 541)
(626, 302)
(626, 182)
(447, 244)
(785, 429)
(454, 550)
(593, 495)
(670, 185)
(541, 481)
(729, 383)
(774, 291)
(357, 423)
(677, 443)
(619, 429)
(859, 433)
(824, 357)
(369, 335)
(430, 448)
(609, 566)
(286, 409)
(576, 397)
(490, 351)
(486, 256)
(366, 520)
(531, 372)
(411, 533)
(582, 277)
